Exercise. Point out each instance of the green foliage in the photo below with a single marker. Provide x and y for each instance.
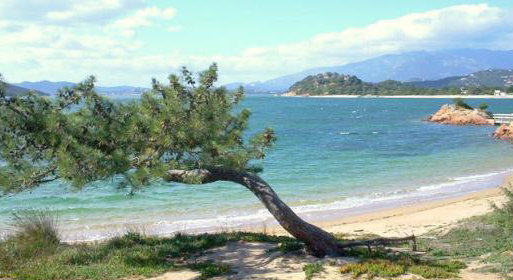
(82, 137)
(510, 89)
(427, 271)
(210, 269)
(373, 268)
(130, 255)
(460, 103)
(503, 216)
(36, 234)
(393, 266)
(311, 269)
(483, 106)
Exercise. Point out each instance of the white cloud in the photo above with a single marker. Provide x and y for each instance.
(70, 12)
(55, 51)
(142, 18)
(463, 26)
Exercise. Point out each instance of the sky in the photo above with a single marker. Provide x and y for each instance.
(128, 42)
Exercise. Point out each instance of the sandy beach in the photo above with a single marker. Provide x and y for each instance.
(253, 261)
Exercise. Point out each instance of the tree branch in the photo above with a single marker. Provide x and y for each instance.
(381, 242)
(195, 176)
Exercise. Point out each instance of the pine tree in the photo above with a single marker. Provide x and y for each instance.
(187, 131)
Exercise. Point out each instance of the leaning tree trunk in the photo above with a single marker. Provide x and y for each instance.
(317, 241)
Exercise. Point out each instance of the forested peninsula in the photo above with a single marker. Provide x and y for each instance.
(340, 84)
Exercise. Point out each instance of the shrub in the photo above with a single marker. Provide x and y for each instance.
(429, 272)
(461, 104)
(311, 269)
(503, 216)
(36, 233)
(483, 106)
(382, 268)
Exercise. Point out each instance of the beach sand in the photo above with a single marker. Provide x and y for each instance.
(253, 261)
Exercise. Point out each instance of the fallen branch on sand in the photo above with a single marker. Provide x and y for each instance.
(380, 242)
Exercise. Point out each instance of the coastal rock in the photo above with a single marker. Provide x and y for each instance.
(451, 114)
(504, 132)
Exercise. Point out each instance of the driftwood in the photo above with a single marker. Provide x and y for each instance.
(380, 242)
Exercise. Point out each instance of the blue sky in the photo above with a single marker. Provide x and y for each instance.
(130, 41)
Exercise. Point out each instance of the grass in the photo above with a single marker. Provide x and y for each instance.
(488, 235)
(210, 269)
(312, 269)
(388, 263)
(130, 255)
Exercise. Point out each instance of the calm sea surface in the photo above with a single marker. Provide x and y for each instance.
(333, 157)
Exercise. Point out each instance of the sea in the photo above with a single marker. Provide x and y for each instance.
(334, 158)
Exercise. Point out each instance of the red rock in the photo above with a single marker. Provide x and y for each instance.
(450, 114)
(504, 132)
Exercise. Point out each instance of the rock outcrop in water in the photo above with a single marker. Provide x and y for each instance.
(452, 114)
(504, 132)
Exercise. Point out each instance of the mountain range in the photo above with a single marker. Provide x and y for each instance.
(486, 78)
(53, 87)
(424, 68)
(12, 90)
(407, 66)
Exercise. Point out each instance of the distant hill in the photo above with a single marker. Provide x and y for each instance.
(12, 90)
(487, 78)
(339, 84)
(408, 66)
(53, 87)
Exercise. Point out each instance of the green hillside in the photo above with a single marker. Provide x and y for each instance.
(339, 84)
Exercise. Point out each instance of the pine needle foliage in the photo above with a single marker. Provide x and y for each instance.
(81, 137)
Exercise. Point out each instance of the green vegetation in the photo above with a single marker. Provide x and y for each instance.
(494, 78)
(490, 235)
(188, 131)
(312, 269)
(483, 106)
(210, 269)
(130, 255)
(460, 103)
(36, 235)
(135, 254)
(334, 83)
(183, 125)
(388, 263)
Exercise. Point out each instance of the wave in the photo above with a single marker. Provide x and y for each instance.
(456, 186)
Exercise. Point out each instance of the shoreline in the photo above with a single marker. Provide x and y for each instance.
(414, 218)
(389, 217)
(407, 96)
(419, 218)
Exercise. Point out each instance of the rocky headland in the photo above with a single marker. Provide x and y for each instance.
(458, 115)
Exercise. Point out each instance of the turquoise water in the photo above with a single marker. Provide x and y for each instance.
(333, 157)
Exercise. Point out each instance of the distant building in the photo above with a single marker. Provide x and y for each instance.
(498, 92)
